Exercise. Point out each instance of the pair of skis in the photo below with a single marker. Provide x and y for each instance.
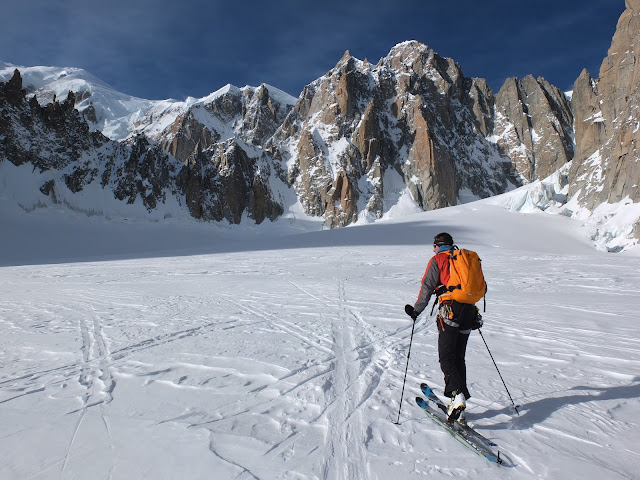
(466, 435)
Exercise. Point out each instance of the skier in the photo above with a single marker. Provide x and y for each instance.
(454, 322)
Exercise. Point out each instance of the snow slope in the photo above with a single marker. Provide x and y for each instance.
(610, 227)
(183, 350)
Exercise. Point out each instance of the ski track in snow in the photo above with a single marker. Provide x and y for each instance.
(289, 364)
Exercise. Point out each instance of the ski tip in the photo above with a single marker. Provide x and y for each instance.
(420, 401)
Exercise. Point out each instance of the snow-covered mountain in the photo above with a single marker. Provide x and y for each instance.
(73, 165)
(113, 113)
(358, 142)
(362, 135)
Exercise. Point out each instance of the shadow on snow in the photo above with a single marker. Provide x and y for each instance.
(536, 412)
(107, 242)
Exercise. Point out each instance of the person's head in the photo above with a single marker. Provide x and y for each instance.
(442, 239)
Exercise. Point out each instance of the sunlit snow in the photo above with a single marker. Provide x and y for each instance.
(190, 350)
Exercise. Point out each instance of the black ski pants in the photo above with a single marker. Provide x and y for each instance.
(452, 347)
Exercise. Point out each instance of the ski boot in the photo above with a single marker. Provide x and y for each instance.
(456, 406)
(462, 420)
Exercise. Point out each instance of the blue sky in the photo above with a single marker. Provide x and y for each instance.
(160, 49)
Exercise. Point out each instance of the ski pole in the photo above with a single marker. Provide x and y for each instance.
(397, 422)
(494, 363)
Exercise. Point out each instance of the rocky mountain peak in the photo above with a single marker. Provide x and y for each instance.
(534, 126)
(607, 126)
(409, 55)
(409, 118)
(419, 67)
(345, 60)
(12, 90)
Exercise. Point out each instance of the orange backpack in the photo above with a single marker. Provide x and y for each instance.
(466, 281)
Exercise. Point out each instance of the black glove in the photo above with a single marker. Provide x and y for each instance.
(411, 312)
(477, 321)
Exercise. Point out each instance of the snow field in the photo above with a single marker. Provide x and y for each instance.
(283, 356)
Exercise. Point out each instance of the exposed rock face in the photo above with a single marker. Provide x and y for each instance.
(533, 125)
(412, 119)
(250, 115)
(481, 102)
(218, 183)
(56, 139)
(222, 182)
(262, 114)
(589, 125)
(24, 124)
(607, 121)
(142, 170)
(185, 135)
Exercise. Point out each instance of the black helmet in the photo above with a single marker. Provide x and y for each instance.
(443, 239)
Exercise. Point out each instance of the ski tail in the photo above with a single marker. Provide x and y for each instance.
(460, 434)
(432, 397)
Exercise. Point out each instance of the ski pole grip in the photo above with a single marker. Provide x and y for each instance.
(409, 310)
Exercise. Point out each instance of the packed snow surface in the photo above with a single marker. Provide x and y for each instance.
(183, 350)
